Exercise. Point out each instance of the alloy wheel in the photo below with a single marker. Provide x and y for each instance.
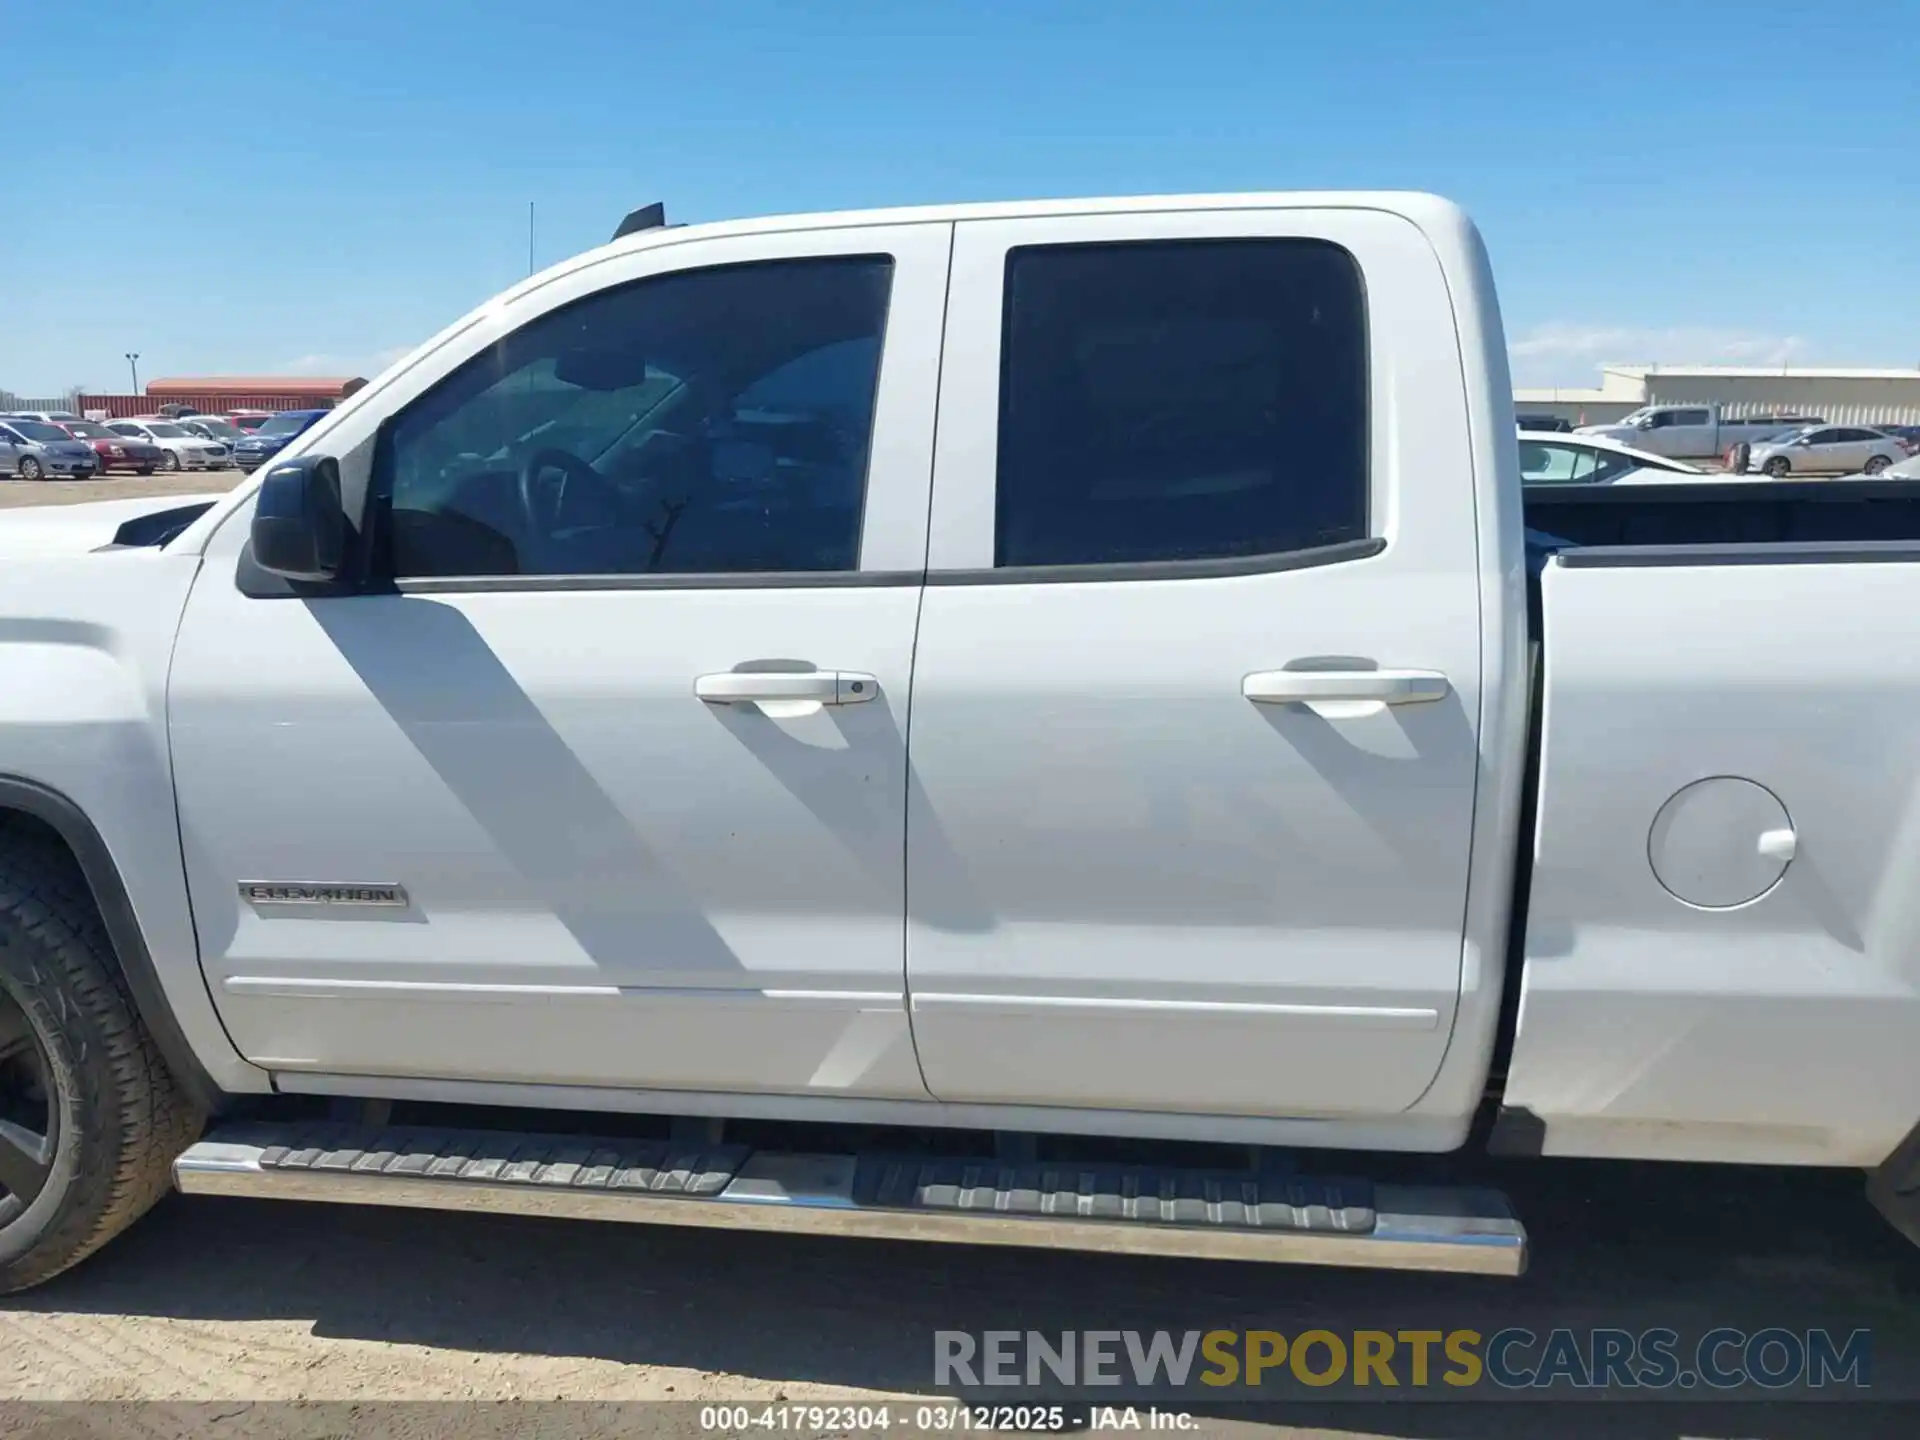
(29, 1112)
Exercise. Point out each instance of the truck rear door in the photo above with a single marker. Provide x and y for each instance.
(1197, 683)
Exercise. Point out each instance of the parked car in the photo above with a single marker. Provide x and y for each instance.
(184, 451)
(36, 450)
(273, 435)
(1542, 423)
(1248, 787)
(49, 417)
(216, 428)
(1827, 449)
(116, 451)
(1908, 469)
(1694, 431)
(1548, 458)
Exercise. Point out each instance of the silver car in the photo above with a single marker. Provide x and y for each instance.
(1827, 449)
(216, 428)
(35, 450)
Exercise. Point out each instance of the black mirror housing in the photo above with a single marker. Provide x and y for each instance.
(299, 527)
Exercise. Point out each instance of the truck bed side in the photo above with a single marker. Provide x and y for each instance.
(1722, 951)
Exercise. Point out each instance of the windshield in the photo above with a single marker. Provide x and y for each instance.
(87, 430)
(1787, 436)
(286, 423)
(39, 430)
(218, 429)
(168, 432)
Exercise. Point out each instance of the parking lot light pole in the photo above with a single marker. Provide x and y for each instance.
(133, 364)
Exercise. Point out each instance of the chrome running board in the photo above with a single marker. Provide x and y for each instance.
(1121, 1209)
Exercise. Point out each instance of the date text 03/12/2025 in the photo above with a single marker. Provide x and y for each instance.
(938, 1418)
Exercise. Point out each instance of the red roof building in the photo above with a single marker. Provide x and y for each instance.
(314, 390)
(217, 393)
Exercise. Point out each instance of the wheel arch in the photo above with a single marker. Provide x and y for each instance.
(60, 817)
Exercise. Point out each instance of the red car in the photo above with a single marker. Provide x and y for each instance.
(116, 452)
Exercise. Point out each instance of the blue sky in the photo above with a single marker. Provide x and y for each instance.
(268, 186)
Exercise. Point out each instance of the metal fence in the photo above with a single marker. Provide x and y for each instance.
(11, 401)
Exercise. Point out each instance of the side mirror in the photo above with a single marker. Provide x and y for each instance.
(299, 529)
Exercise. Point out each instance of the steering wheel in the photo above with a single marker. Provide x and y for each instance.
(541, 503)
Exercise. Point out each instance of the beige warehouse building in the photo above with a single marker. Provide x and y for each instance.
(1845, 397)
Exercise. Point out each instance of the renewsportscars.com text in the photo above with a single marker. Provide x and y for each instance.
(1374, 1361)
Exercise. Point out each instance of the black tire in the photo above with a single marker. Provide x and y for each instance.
(1738, 454)
(1875, 464)
(90, 1118)
(1778, 467)
(30, 468)
(143, 469)
(170, 463)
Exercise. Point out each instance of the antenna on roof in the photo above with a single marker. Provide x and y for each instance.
(647, 217)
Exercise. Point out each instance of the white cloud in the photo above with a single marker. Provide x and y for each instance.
(1568, 353)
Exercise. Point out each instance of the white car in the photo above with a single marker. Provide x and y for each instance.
(184, 450)
(1905, 470)
(1827, 449)
(1549, 457)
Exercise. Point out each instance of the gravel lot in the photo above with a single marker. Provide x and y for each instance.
(115, 487)
(227, 1300)
(235, 1301)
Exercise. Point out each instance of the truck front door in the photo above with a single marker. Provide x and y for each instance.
(1198, 681)
(599, 779)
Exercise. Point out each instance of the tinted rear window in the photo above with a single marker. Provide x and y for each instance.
(1181, 400)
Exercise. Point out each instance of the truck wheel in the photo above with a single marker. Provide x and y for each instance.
(1778, 466)
(90, 1119)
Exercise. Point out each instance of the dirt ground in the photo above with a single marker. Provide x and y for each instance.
(231, 1300)
(115, 487)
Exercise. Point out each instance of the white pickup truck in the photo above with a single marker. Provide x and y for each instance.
(1693, 431)
(1006, 723)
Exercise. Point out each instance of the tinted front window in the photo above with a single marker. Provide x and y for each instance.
(715, 421)
(1181, 400)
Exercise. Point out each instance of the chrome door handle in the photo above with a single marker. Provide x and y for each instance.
(1373, 687)
(817, 687)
